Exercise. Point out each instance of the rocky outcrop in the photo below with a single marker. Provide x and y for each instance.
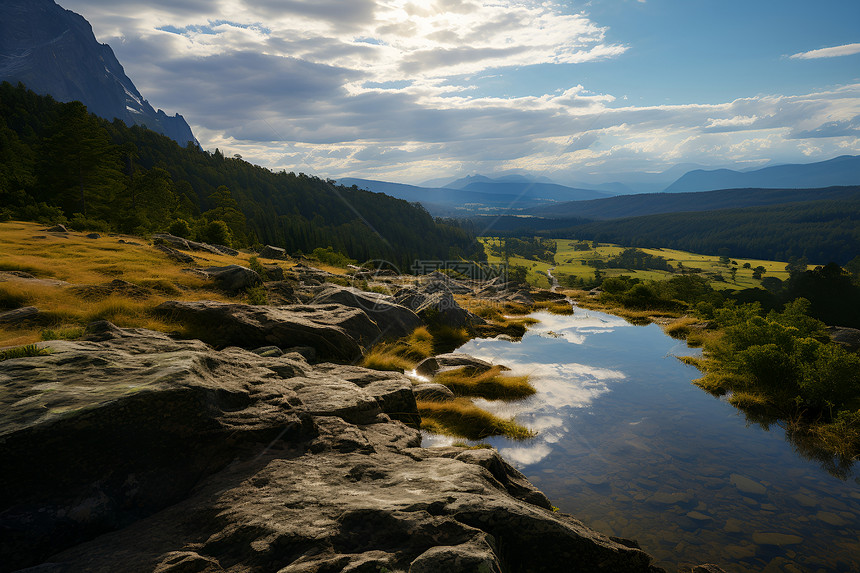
(54, 51)
(336, 332)
(435, 364)
(188, 245)
(270, 252)
(436, 307)
(134, 452)
(232, 278)
(847, 338)
(176, 255)
(393, 319)
(18, 315)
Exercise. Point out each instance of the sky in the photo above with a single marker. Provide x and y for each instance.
(408, 91)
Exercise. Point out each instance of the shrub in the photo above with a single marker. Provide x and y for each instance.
(180, 228)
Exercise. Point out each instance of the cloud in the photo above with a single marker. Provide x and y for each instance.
(376, 89)
(834, 52)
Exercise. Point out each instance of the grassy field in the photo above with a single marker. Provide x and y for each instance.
(74, 259)
(570, 262)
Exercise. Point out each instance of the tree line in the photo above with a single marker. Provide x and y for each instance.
(59, 162)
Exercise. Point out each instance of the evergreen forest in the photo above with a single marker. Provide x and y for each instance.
(59, 163)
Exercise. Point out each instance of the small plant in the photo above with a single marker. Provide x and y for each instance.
(23, 352)
(70, 333)
(257, 295)
(255, 265)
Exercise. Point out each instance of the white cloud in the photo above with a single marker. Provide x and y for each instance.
(834, 52)
(368, 88)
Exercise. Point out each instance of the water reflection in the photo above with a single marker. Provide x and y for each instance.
(629, 446)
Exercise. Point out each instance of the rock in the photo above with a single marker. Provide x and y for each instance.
(435, 364)
(707, 568)
(225, 250)
(282, 292)
(831, 518)
(57, 229)
(94, 236)
(10, 317)
(436, 307)
(666, 498)
(274, 272)
(335, 331)
(747, 485)
(116, 286)
(124, 242)
(177, 457)
(176, 255)
(268, 351)
(432, 392)
(270, 252)
(699, 516)
(773, 538)
(439, 282)
(232, 278)
(186, 245)
(393, 319)
(848, 338)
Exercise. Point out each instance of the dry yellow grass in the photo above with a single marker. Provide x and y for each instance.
(491, 385)
(461, 418)
(80, 261)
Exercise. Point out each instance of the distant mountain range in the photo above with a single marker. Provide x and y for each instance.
(54, 52)
(843, 170)
(479, 194)
(657, 203)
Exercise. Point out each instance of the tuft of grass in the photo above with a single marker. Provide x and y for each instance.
(749, 401)
(403, 354)
(555, 306)
(382, 360)
(491, 385)
(446, 338)
(62, 333)
(23, 352)
(461, 418)
(517, 309)
(12, 297)
(478, 446)
(680, 329)
(693, 361)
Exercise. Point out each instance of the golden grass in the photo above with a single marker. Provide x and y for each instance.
(461, 418)
(81, 261)
(555, 307)
(491, 385)
(681, 328)
(749, 401)
(403, 354)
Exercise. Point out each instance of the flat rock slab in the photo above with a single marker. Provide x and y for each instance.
(135, 452)
(747, 485)
(10, 317)
(336, 332)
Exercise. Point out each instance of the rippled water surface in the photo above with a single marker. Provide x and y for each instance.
(630, 447)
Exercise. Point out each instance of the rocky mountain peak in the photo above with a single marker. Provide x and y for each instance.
(54, 51)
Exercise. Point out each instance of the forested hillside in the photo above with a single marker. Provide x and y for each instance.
(57, 160)
(822, 231)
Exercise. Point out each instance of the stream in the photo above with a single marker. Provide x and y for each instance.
(630, 447)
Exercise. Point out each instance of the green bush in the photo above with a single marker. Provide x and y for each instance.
(180, 228)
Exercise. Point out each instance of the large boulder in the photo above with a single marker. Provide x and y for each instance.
(270, 252)
(336, 332)
(393, 319)
(232, 278)
(440, 282)
(436, 307)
